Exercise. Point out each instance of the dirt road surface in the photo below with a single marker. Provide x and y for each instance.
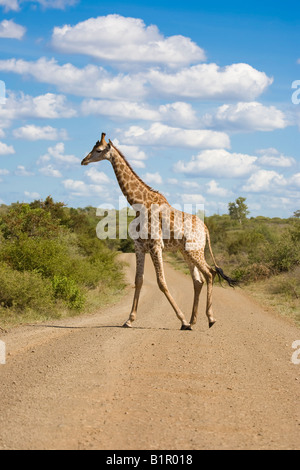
(86, 383)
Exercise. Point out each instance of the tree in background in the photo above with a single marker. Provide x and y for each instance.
(238, 210)
(297, 214)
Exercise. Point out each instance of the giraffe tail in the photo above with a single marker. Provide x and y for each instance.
(231, 282)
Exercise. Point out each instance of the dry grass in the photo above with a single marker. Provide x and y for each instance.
(281, 292)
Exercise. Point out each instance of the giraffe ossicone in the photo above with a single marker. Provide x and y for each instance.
(163, 227)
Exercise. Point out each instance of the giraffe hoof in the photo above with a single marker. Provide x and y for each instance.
(186, 327)
(127, 325)
(211, 323)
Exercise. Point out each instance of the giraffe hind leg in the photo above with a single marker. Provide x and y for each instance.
(156, 255)
(198, 281)
(197, 259)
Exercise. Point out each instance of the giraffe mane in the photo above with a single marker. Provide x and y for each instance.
(135, 174)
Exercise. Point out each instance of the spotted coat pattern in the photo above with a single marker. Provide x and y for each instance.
(170, 230)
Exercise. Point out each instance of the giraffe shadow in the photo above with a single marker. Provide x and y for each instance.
(95, 327)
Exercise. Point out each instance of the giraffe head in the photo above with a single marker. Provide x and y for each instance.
(101, 151)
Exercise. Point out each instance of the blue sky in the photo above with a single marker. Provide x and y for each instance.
(197, 95)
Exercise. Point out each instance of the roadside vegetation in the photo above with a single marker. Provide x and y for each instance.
(262, 253)
(52, 264)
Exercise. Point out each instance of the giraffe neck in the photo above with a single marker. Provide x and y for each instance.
(133, 188)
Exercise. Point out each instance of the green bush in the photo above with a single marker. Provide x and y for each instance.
(48, 257)
(51, 258)
(67, 290)
(245, 241)
(295, 232)
(253, 272)
(284, 255)
(23, 291)
(288, 285)
(59, 258)
(127, 245)
(22, 220)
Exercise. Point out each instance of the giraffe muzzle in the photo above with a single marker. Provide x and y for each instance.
(85, 161)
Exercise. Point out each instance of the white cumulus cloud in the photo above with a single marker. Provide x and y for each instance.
(15, 5)
(153, 178)
(214, 189)
(32, 195)
(209, 81)
(272, 157)
(218, 163)
(120, 110)
(6, 149)
(11, 30)
(178, 113)
(10, 5)
(192, 199)
(116, 38)
(97, 177)
(57, 153)
(21, 171)
(48, 106)
(203, 81)
(90, 81)
(132, 153)
(264, 181)
(50, 171)
(55, 4)
(295, 180)
(79, 188)
(33, 133)
(161, 134)
(249, 116)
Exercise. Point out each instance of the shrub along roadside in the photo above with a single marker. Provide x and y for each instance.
(262, 253)
(52, 264)
(66, 289)
(25, 290)
(269, 258)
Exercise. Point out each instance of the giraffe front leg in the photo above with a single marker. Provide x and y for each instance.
(139, 279)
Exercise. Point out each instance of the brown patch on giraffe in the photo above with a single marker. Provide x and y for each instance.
(186, 232)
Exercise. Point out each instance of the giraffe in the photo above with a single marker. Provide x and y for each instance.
(164, 228)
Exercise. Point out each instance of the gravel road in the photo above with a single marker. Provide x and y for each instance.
(86, 383)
